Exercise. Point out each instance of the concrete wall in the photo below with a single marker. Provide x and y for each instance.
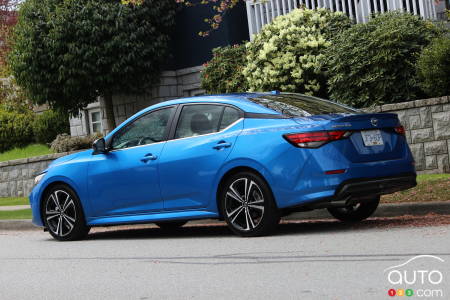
(17, 176)
(173, 84)
(427, 124)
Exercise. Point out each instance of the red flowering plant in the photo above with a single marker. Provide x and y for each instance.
(220, 7)
(223, 73)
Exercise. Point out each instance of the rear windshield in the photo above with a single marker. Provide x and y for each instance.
(297, 105)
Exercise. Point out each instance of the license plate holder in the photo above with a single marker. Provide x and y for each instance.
(372, 138)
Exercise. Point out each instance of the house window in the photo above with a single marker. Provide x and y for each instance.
(95, 121)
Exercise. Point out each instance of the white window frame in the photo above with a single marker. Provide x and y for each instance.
(91, 123)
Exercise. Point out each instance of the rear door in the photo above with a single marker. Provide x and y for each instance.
(202, 140)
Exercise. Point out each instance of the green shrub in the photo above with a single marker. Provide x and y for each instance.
(287, 54)
(15, 129)
(49, 124)
(12, 98)
(223, 73)
(374, 63)
(433, 68)
(66, 143)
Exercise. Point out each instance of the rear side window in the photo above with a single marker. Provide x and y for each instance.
(297, 105)
(198, 120)
(230, 115)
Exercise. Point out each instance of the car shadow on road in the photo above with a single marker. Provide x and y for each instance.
(221, 230)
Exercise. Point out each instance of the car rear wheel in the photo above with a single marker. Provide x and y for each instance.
(357, 212)
(170, 225)
(248, 206)
(62, 214)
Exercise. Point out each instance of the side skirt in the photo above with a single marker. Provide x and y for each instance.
(150, 218)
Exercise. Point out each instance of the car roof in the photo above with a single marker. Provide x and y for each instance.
(239, 100)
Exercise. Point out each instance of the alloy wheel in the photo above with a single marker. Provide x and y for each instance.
(244, 204)
(60, 213)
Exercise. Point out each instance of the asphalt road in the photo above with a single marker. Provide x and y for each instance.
(319, 260)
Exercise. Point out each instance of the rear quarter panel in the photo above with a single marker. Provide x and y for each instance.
(261, 146)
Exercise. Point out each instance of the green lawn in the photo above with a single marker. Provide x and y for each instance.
(15, 214)
(10, 201)
(434, 187)
(28, 151)
(431, 177)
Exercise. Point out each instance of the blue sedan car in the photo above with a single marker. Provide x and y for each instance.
(246, 158)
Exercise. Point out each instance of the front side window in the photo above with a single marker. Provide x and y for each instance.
(198, 120)
(149, 129)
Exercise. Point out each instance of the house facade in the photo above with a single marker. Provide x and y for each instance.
(190, 51)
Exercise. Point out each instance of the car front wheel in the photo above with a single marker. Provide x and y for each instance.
(248, 206)
(63, 215)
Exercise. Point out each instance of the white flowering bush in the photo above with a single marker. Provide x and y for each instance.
(288, 54)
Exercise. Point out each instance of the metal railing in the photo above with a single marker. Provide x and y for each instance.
(262, 12)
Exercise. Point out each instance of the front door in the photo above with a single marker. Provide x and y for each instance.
(125, 180)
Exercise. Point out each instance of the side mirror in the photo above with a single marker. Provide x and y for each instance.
(99, 146)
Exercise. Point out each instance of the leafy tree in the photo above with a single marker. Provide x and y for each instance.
(8, 18)
(374, 63)
(433, 67)
(69, 52)
(220, 7)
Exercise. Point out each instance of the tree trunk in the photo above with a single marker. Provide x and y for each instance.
(109, 113)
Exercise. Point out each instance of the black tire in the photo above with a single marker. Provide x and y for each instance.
(256, 216)
(61, 209)
(355, 213)
(171, 225)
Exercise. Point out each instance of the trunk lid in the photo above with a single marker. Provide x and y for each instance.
(364, 144)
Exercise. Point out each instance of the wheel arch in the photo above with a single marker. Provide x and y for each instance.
(48, 188)
(232, 172)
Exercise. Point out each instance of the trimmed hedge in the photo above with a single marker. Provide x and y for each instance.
(66, 143)
(288, 54)
(16, 129)
(49, 124)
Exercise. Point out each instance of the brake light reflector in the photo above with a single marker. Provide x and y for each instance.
(315, 139)
(400, 130)
(340, 171)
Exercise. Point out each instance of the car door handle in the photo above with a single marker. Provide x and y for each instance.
(148, 157)
(221, 145)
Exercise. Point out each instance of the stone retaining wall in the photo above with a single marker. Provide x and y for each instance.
(17, 176)
(427, 124)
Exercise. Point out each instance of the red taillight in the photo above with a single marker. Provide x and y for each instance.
(315, 139)
(400, 130)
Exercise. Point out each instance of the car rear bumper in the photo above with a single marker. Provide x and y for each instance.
(361, 187)
(359, 190)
